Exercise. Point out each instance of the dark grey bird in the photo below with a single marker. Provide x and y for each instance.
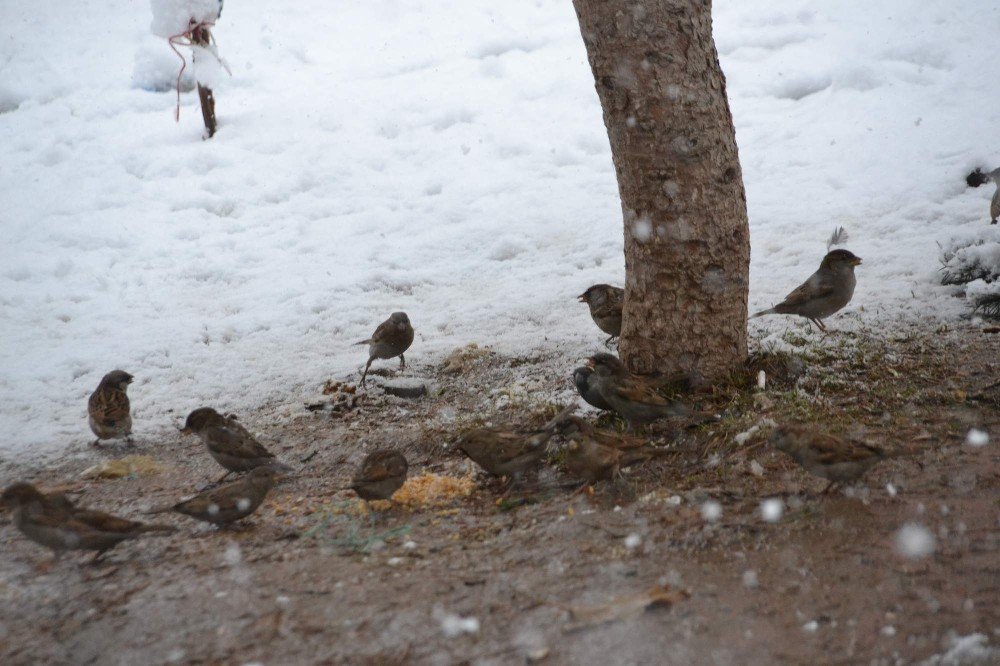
(826, 291)
(583, 378)
(391, 339)
(634, 398)
(605, 304)
(108, 408)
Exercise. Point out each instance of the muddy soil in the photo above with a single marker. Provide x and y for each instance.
(641, 571)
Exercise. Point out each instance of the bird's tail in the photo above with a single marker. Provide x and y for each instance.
(280, 467)
(764, 312)
(550, 427)
(154, 528)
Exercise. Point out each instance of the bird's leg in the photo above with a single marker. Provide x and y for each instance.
(129, 441)
(821, 325)
(96, 443)
(402, 361)
(828, 488)
(365, 373)
(97, 557)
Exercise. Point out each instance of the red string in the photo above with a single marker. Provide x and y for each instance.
(186, 38)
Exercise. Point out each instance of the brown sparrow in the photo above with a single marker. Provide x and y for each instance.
(229, 443)
(108, 408)
(592, 461)
(505, 453)
(392, 338)
(379, 475)
(605, 304)
(584, 380)
(54, 522)
(574, 427)
(827, 456)
(229, 503)
(635, 400)
(826, 291)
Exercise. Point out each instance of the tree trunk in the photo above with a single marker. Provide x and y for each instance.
(687, 239)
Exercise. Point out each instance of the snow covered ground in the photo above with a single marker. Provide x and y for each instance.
(446, 158)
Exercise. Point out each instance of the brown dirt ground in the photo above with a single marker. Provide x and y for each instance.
(558, 579)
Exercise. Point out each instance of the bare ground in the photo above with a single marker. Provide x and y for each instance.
(550, 576)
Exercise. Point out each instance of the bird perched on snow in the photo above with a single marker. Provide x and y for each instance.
(229, 443)
(391, 339)
(505, 453)
(229, 503)
(827, 456)
(586, 384)
(109, 409)
(826, 291)
(56, 523)
(379, 475)
(605, 304)
(977, 178)
(635, 399)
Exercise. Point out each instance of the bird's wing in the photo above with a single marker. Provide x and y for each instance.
(832, 449)
(236, 426)
(609, 309)
(104, 522)
(229, 441)
(814, 287)
(108, 406)
(379, 469)
(636, 390)
(384, 330)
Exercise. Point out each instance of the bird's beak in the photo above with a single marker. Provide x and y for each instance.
(582, 298)
(856, 261)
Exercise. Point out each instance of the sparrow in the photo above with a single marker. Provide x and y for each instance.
(827, 456)
(826, 291)
(56, 523)
(229, 443)
(574, 427)
(108, 408)
(392, 338)
(379, 475)
(605, 304)
(229, 503)
(592, 461)
(635, 399)
(505, 453)
(977, 178)
(585, 382)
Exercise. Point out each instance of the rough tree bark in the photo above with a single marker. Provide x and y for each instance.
(687, 239)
